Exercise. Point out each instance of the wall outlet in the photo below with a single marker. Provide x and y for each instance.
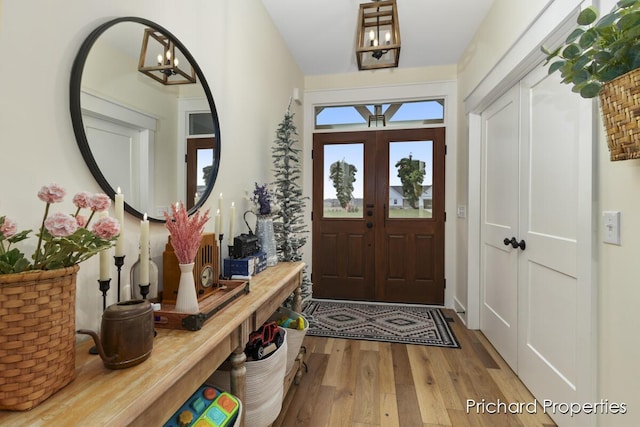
(611, 227)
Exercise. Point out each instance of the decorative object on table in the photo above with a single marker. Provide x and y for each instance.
(186, 235)
(118, 258)
(600, 58)
(134, 277)
(245, 244)
(42, 348)
(126, 334)
(395, 323)
(247, 266)
(264, 223)
(289, 225)
(228, 291)
(205, 270)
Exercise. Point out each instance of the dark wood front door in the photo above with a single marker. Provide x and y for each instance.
(378, 215)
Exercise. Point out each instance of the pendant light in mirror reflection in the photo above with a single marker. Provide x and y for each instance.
(165, 67)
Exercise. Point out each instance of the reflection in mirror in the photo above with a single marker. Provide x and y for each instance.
(155, 138)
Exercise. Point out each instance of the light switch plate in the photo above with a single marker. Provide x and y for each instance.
(462, 211)
(611, 227)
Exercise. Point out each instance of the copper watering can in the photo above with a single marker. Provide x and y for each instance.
(126, 334)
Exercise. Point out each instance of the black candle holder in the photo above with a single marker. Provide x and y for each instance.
(105, 285)
(220, 238)
(119, 261)
(144, 290)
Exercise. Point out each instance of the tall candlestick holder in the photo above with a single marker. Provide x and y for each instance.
(220, 238)
(105, 285)
(119, 261)
(144, 290)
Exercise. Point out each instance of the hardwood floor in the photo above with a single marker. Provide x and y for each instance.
(363, 383)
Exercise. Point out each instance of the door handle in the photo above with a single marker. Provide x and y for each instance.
(369, 225)
(514, 243)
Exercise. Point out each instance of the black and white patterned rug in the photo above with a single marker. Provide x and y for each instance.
(396, 323)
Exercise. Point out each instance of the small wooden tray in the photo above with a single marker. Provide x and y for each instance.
(229, 291)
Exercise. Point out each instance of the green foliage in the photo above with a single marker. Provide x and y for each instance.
(411, 173)
(61, 252)
(598, 51)
(343, 175)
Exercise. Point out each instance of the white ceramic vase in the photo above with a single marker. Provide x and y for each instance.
(187, 300)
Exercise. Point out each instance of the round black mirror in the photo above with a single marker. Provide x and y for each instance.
(144, 117)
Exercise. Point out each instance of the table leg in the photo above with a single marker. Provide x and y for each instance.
(239, 376)
(297, 296)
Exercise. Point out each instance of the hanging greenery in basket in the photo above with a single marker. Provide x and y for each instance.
(601, 57)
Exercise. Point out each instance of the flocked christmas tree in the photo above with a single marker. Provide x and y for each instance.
(289, 223)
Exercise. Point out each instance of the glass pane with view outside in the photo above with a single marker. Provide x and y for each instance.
(410, 179)
(205, 160)
(343, 180)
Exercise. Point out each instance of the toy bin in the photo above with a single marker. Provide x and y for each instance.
(264, 386)
(294, 335)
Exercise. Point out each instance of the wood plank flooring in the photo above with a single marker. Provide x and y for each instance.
(363, 383)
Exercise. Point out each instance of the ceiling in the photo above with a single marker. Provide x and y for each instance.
(321, 35)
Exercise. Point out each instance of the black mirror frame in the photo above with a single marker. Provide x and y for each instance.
(78, 125)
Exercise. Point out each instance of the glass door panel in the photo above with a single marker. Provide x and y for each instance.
(343, 180)
(410, 179)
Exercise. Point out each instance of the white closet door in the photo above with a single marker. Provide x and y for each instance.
(499, 198)
(555, 171)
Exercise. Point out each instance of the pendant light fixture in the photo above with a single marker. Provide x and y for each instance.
(378, 35)
(165, 67)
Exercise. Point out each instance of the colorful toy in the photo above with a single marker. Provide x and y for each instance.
(260, 340)
(207, 407)
(288, 322)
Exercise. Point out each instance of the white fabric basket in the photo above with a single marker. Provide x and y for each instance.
(294, 336)
(264, 386)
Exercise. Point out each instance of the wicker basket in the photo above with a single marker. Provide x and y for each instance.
(620, 101)
(37, 335)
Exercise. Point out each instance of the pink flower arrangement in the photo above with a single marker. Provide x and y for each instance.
(63, 239)
(186, 232)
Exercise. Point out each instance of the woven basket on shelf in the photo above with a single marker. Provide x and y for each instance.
(37, 335)
(620, 102)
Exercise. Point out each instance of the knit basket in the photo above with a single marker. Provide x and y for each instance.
(620, 102)
(37, 335)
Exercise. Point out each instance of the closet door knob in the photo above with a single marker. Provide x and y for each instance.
(506, 241)
(515, 244)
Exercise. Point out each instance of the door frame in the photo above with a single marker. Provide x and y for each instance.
(445, 88)
(551, 27)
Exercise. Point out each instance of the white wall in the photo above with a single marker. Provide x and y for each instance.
(249, 70)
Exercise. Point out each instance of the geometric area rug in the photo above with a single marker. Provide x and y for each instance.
(395, 323)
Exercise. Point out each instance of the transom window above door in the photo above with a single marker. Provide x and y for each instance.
(396, 114)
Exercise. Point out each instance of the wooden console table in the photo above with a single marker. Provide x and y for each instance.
(148, 394)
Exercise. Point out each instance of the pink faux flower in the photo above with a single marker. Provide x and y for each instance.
(186, 232)
(61, 225)
(106, 227)
(99, 202)
(82, 200)
(81, 220)
(52, 193)
(8, 228)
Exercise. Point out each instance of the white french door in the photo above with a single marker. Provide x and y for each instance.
(537, 238)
